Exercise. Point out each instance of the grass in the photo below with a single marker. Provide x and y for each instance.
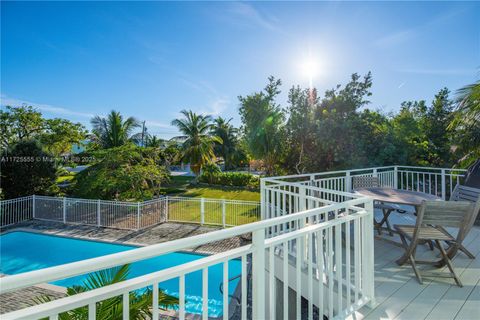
(66, 178)
(190, 210)
(222, 193)
(180, 186)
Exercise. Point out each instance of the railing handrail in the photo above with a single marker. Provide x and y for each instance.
(433, 168)
(276, 178)
(6, 201)
(90, 265)
(78, 300)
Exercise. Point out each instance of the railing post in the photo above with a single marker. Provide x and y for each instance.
(138, 215)
(33, 206)
(368, 253)
(224, 212)
(166, 208)
(348, 182)
(303, 240)
(444, 187)
(262, 199)
(64, 210)
(375, 174)
(99, 222)
(395, 177)
(202, 211)
(258, 274)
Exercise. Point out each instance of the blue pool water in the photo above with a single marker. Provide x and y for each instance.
(26, 251)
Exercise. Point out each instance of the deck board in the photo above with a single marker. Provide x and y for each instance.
(400, 296)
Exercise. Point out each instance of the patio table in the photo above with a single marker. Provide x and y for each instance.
(396, 196)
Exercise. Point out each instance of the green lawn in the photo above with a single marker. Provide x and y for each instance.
(221, 193)
(180, 186)
(190, 210)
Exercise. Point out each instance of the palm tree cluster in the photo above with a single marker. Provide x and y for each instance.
(229, 149)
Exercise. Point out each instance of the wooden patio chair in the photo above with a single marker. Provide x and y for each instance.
(464, 193)
(372, 182)
(432, 218)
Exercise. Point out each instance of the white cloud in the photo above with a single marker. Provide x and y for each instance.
(249, 13)
(9, 101)
(157, 124)
(401, 85)
(216, 107)
(403, 36)
(246, 15)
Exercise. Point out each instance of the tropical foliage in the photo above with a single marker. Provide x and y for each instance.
(264, 124)
(197, 141)
(466, 123)
(112, 308)
(27, 169)
(25, 123)
(229, 148)
(128, 172)
(232, 179)
(339, 131)
(113, 131)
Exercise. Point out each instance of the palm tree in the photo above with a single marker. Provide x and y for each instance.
(225, 131)
(466, 122)
(154, 142)
(112, 131)
(198, 143)
(112, 308)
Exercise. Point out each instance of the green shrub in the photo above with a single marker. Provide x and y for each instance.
(236, 179)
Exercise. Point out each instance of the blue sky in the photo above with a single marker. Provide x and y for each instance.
(152, 59)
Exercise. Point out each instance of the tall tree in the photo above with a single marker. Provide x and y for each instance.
(264, 124)
(25, 123)
(410, 138)
(113, 131)
(435, 124)
(300, 128)
(197, 141)
(336, 116)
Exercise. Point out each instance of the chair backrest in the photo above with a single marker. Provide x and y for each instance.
(364, 182)
(455, 214)
(464, 193)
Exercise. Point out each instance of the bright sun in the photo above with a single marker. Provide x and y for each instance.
(309, 69)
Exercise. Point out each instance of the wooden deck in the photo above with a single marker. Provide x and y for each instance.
(400, 296)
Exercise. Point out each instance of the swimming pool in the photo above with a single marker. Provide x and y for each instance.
(27, 251)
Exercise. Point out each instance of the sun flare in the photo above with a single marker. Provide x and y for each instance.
(309, 69)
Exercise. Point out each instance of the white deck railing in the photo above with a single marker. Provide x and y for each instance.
(436, 181)
(129, 215)
(324, 253)
(316, 238)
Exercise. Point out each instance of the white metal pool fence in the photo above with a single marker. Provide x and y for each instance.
(129, 215)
